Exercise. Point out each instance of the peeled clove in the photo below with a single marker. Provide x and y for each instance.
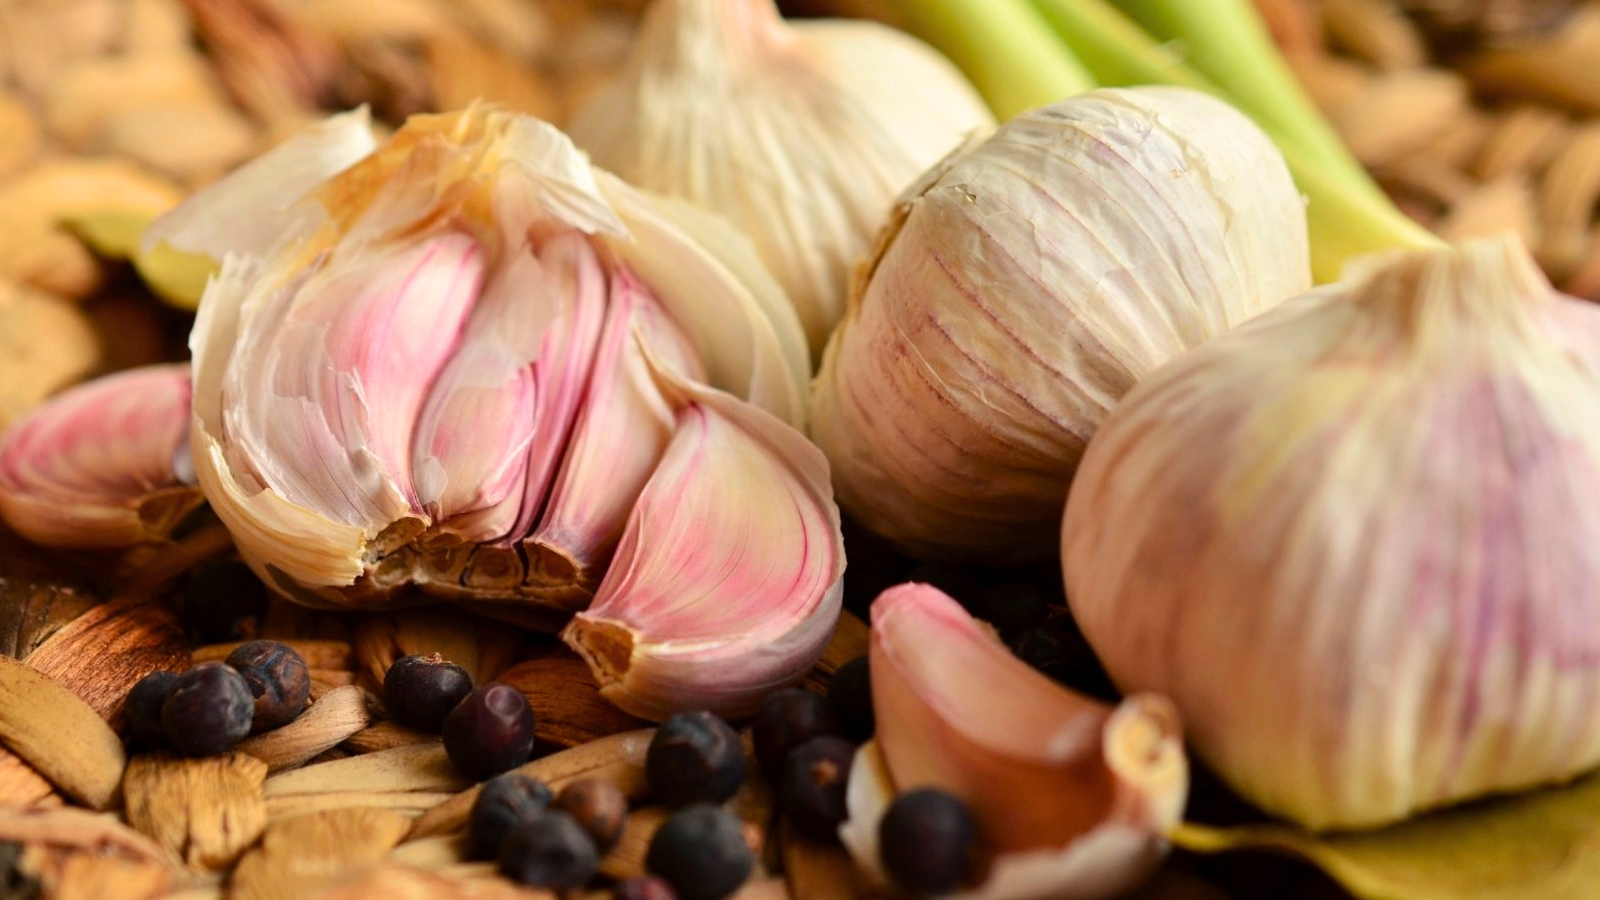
(1072, 797)
(104, 464)
(1357, 540)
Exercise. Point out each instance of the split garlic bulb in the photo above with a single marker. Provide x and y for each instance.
(1023, 287)
(466, 364)
(1358, 540)
(800, 133)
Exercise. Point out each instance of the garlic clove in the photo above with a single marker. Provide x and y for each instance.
(729, 576)
(270, 187)
(1027, 283)
(102, 465)
(616, 444)
(799, 133)
(1072, 797)
(1355, 541)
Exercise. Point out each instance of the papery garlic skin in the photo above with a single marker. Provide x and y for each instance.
(1023, 287)
(800, 133)
(1358, 540)
(1073, 798)
(103, 465)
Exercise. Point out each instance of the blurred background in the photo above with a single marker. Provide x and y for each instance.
(1477, 115)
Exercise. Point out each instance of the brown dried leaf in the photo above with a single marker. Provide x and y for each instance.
(36, 250)
(1461, 141)
(1521, 140)
(43, 37)
(1425, 177)
(1502, 205)
(419, 767)
(155, 26)
(274, 66)
(387, 736)
(1375, 31)
(407, 803)
(59, 735)
(346, 21)
(325, 724)
(1571, 187)
(566, 700)
(518, 28)
(482, 648)
(82, 101)
(1558, 69)
(192, 142)
(21, 128)
(1399, 113)
(462, 71)
(103, 652)
(301, 854)
(618, 758)
(206, 811)
(626, 859)
(317, 654)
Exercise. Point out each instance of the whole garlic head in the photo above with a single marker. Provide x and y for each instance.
(1358, 540)
(1023, 287)
(800, 133)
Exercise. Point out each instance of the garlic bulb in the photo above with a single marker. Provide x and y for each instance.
(469, 364)
(1358, 540)
(1073, 798)
(799, 133)
(102, 465)
(1023, 287)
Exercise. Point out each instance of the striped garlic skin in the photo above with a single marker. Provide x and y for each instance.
(1358, 541)
(1023, 287)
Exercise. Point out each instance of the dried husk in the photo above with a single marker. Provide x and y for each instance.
(49, 728)
(303, 853)
(103, 652)
(418, 767)
(562, 690)
(325, 724)
(72, 854)
(205, 811)
(483, 648)
(21, 128)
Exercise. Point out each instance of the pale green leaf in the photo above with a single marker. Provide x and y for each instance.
(178, 277)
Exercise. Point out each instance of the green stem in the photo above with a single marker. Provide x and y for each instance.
(1003, 46)
(1226, 41)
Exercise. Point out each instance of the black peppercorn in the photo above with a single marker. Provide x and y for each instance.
(700, 850)
(505, 802)
(490, 731)
(925, 839)
(787, 719)
(812, 792)
(278, 680)
(694, 757)
(209, 710)
(552, 851)
(421, 690)
(143, 705)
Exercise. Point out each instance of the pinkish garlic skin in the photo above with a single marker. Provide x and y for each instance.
(101, 465)
(1437, 636)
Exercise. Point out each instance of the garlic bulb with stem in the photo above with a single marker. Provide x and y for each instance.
(1358, 540)
(103, 465)
(469, 365)
(801, 134)
(1022, 287)
(1072, 797)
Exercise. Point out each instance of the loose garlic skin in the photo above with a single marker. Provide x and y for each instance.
(1358, 540)
(800, 133)
(1023, 287)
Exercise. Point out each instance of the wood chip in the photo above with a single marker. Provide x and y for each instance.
(59, 735)
(301, 854)
(566, 701)
(317, 654)
(418, 767)
(407, 803)
(102, 653)
(626, 859)
(815, 871)
(484, 649)
(78, 855)
(326, 723)
(205, 811)
(618, 758)
(401, 882)
(387, 735)
(1375, 31)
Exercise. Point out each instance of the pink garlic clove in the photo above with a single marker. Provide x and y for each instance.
(104, 464)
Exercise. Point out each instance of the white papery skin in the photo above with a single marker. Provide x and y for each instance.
(1023, 287)
(467, 362)
(1358, 541)
(800, 133)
